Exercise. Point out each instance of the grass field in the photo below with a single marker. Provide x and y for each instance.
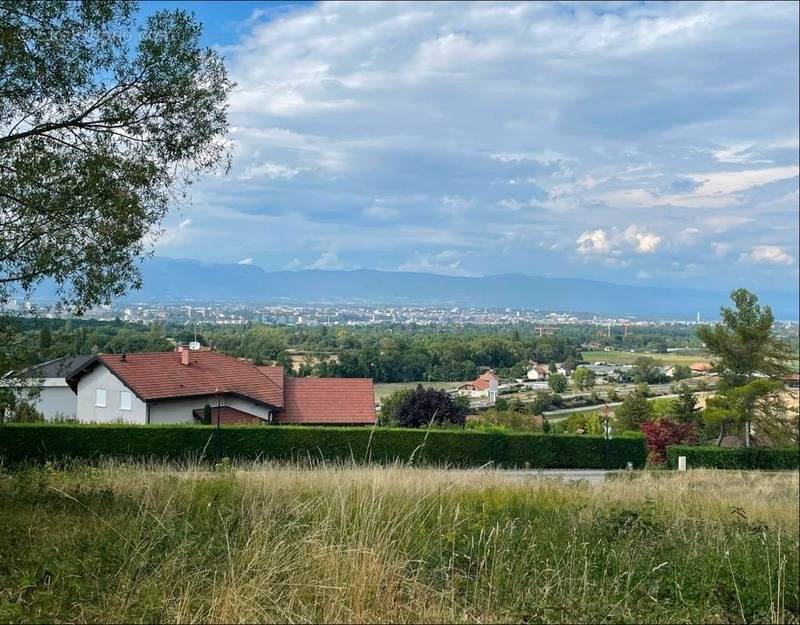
(384, 390)
(348, 544)
(627, 358)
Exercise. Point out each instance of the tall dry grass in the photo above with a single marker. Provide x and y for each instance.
(281, 543)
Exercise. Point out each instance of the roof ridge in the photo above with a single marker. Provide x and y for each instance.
(256, 367)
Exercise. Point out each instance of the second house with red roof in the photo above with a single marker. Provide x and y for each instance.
(176, 387)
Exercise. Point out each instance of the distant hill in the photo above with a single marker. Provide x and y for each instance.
(173, 280)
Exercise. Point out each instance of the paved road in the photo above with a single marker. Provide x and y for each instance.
(593, 476)
(565, 412)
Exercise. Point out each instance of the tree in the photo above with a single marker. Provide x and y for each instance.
(662, 433)
(557, 382)
(681, 372)
(102, 128)
(634, 410)
(388, 415)
(744, 348)
(552, 367)
(583, 378)
(45, 339)
(683, 408)
(757, 401)
(645, 369)
(501, 404)
(541, 400)
(425, 406)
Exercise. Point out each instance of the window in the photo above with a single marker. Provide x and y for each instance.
(124, 400)
(100, 397)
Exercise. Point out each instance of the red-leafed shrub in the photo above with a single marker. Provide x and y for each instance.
(662, 433)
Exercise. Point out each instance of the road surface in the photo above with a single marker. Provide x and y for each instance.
(592, 476)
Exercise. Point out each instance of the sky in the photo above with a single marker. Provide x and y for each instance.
(652, 144)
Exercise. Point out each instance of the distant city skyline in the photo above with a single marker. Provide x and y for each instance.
(648, 144)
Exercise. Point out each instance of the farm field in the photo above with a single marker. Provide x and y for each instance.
(385, 389)
(282, 543)
(627, 358)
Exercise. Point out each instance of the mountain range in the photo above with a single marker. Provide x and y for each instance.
(180, 280)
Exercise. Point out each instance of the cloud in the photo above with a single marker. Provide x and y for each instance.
(512, 134)
(269, 170)
(596, 242)
(245, 261)
(379, 210)
(720, 250)
(767, 254)
(293, 265)
(644, 275)
(170, 235)
(633, 238)
(447, 262)
(643, 242)
(329, 261)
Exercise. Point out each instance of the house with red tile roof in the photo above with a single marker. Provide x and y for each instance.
(485, 385)
(175, 387)
(701, 367)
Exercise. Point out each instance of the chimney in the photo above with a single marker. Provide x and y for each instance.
(123, 357)
(185, 357)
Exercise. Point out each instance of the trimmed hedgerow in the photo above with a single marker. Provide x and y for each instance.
(462, 448)
(713, 457)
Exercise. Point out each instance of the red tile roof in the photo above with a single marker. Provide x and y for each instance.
(328, 401)
(160, 375)
(483, 380)
(275, 374)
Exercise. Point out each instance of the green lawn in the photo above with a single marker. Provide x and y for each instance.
(384, 390)
(627, 358)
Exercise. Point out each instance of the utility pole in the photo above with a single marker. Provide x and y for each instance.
(219, 430)
(607, 432)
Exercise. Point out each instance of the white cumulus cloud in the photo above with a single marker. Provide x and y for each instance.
(767, 254)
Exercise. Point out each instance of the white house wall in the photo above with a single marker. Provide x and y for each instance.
(56, 401)
(180, 410)
(49, 396)
(101, 377)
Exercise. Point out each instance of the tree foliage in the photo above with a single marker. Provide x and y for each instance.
(744, 344)
(683, 408)
(751, 362)
(663, 433)
(421, 407)
(647, 370)
(583, 378)
(681, 372)
(633, 411)
(557, 382)
(102, 127)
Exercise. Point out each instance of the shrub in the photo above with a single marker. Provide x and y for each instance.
(388, 412)
(41, 442)
(586, 422)
(713, 457)
(24, 412)
(506, 420)
(662, 433)
(423, 406)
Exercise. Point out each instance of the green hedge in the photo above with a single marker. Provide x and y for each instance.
(734, 458)
(463, 448)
